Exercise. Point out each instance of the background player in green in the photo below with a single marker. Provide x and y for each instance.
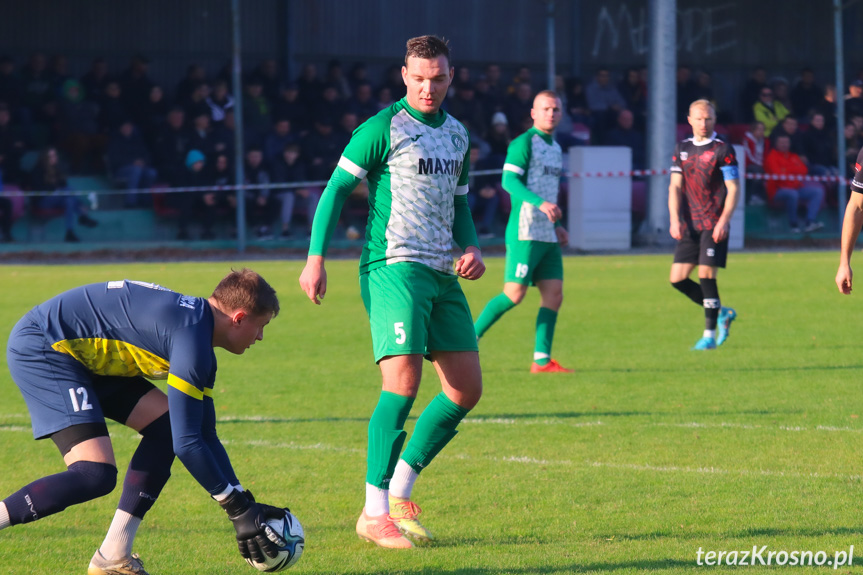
(534, 233)
(415, 158)
(702, 196)
(84, 356)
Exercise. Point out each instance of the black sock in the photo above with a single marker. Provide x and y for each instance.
(711, 302)
(149, 469)
(690, 289)
(83, 481)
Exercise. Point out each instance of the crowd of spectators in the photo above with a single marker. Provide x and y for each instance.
(142, 134)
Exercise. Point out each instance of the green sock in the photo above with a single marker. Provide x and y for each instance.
(386, 437)
(434, 429)
(494, 309)
(545, 322)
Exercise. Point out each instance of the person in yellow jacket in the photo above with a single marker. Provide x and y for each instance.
(767, 111)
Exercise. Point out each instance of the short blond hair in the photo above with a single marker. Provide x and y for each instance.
(704, 104)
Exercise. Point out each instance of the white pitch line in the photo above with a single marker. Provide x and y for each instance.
(719, 471)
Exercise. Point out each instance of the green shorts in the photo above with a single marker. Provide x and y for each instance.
(528, 262)
(415, 309)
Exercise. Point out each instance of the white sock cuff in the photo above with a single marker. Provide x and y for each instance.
(377, 500)
(4, 516)
(402, 483)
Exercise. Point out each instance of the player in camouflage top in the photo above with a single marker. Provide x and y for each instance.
(415, 158)
(534, 233)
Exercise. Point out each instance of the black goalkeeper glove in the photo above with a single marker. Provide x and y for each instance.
(254, 536)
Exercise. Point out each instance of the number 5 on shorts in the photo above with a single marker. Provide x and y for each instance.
(399, 328)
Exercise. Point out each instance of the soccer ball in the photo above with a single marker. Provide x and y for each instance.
(291, 531)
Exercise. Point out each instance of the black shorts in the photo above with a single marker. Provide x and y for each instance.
(698, 248)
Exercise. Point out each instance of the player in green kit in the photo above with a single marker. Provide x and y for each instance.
(415, 158)
(534, 233)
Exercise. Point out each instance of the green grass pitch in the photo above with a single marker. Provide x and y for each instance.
(648, 453)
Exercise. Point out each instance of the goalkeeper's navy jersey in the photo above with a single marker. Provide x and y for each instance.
(127, 329)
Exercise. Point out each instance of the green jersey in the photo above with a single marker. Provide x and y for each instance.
(532, 170)
(417, 170)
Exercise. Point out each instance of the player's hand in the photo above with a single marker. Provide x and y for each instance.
(843, 278)
(313, 280)
(562, 235)
(675, 231)
(254, 537)
(720, 232)
(470, 265)
(551, 210)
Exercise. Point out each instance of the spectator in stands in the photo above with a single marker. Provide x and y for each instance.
(196, 103)
(781, 92)
(224, 135)
(49, 176)
(495, 86)
(790, 127)
(384, 98)
(290, 168)
(78, 129)
(256, 113)
(358, 75)
(221, 173)
(112, 109)
(634, 93)
(96, 80)
(155, 114)
(200, 134)
(130, 162)
(518, 106)
(13, 145)
(604, 101)
(268, 74)
(767, 111)
(751, 93)
(277, 139)
(827, 107)
(10, 84)
(195, 76)
(195, 206)
(576, 104)
(483, 192)
(336, 77)
(290, 106)
(686, 93)
(347, 124)
(820, 147)
(703, 89)
(58, 72)
(625, 134)
(805, 95)
(5, 219)
(219, 101)
(854, 99)
(466, 107)
(259, 214)
(756, 147)
(171, 147)
(853, 143)
(394, 81)
(321, 149)
(790, 194)
(37, 90)
(329, 104)
(499, 137)
(362, 103)
(522, 77)
(135, 84)
(310, 86)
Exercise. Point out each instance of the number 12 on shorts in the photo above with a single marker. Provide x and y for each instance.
(83, 405)
(399, 328)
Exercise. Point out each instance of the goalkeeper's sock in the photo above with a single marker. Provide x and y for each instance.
(493, 311)
(546, 320)
(149, 468)
(690, 289)
(118, 542)
(403, 480)
(386, 438)
(83, 481)
(4, 516)
(434, 429)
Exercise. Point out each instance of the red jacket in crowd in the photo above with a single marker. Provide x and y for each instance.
(787, 163)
